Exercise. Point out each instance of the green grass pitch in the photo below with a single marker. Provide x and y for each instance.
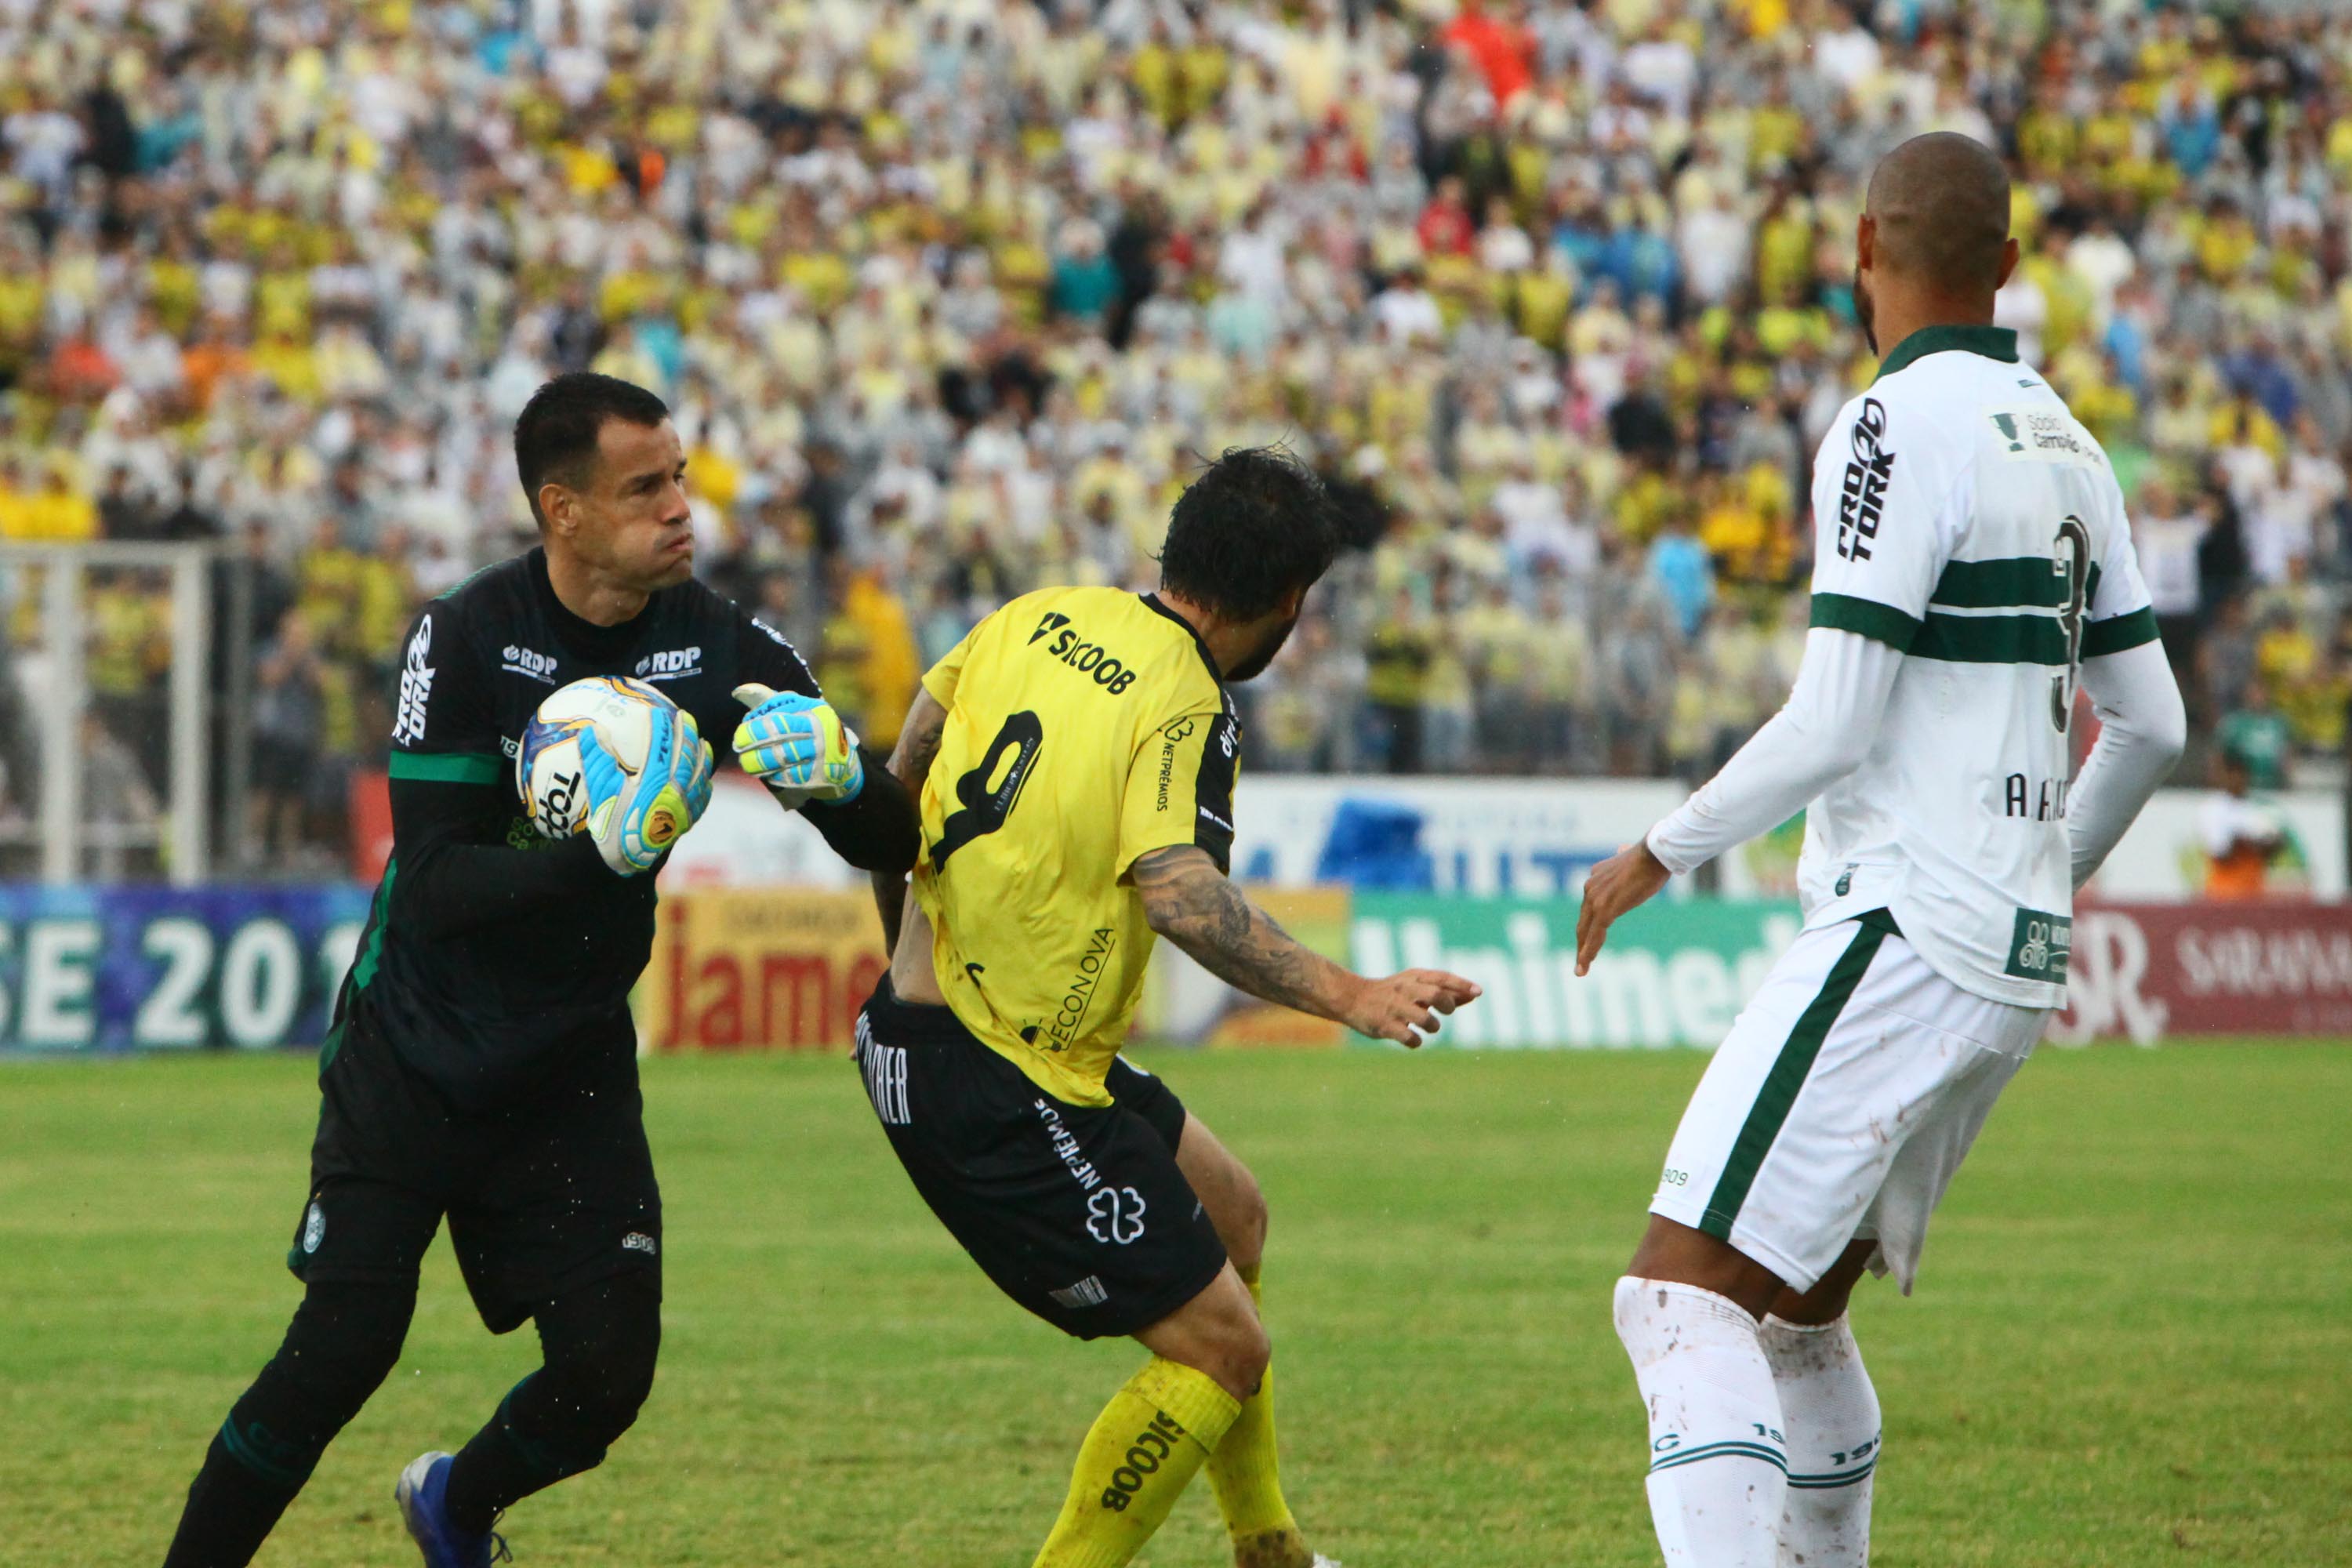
(2132, 1343)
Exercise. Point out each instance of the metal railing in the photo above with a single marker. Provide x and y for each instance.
(51, 585)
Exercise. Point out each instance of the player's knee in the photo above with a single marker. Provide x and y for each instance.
(1248, 1243)
(1241, 1354)
(344, 1342)
(601, 1355)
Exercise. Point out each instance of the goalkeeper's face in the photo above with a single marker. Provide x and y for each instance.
(629, 517)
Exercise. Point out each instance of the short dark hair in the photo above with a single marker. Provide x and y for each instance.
(1253, 527)
(555, 435)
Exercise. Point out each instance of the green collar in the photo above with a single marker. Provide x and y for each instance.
(1993, 342)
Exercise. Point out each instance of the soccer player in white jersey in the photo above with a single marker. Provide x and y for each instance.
(1973, 563)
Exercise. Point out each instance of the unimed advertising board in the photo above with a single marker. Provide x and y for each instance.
(1676, 974)
(1673, 974)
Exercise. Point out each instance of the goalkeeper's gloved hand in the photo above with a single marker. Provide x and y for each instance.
(797, 746)
(638, 817)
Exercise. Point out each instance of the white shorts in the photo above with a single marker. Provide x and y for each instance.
(1836, 1111)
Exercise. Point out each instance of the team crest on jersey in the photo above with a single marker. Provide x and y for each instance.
(415, 685)
(314, 1228)
(1864, 494)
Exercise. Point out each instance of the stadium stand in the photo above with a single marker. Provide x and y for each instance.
(948, 297)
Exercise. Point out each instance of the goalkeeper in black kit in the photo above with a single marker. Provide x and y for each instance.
(482, 1063)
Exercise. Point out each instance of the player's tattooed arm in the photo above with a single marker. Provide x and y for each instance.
(1194, 905)
(910, 762)
(918, 741)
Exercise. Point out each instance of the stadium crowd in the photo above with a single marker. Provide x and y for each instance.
(947, 296)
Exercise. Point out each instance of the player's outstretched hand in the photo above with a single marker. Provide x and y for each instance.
(1623, 881)
(797, 746)
(1405, 1007)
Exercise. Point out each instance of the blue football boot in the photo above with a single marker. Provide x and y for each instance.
(423, 1498)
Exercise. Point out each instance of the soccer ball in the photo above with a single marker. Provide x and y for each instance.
(548, 770)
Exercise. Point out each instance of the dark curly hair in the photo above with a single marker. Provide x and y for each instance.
(1253, 527)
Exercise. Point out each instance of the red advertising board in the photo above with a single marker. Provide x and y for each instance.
(2149, 970)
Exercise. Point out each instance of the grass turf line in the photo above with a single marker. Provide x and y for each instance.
(2132, 1343)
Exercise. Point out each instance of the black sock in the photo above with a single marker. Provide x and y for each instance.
(600, 1345)
(342, 1340)
(231, 1510)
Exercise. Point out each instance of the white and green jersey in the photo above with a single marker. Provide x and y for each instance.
(1966, 518)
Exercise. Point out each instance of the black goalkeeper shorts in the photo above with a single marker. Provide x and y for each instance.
(1076, 1212)
(554, 1195)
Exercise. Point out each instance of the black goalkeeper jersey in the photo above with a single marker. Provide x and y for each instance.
(495, 960)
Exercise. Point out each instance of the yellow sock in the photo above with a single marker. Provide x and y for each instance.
(1148, 1443)
(1249, 1483)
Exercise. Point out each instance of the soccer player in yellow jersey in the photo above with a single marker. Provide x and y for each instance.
(1074, 755)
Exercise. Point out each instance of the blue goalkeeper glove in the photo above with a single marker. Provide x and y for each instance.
(797, 746)
(638, 817)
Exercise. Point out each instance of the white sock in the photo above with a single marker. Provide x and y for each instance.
(1830, 1413)
(1718, 1472)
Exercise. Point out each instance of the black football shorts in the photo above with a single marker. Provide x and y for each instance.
(551, 1196)
(1076, 1212)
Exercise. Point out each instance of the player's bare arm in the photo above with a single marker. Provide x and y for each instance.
(1191, 903)
(910, 764)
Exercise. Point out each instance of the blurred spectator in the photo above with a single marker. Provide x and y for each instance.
(2240, 836)
(1398, 654)
(288, 713)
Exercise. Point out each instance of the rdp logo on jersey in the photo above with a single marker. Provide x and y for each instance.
(524, 661)
(1864, 493)
(671, 664)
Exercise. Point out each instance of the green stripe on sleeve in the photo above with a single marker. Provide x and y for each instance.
(1787, 1076)
(1882, 622)
(447, 767)
(2119, 632)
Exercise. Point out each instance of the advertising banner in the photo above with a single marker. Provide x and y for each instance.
(109, 969)
(2145, 972)
(1532, 837)
(1673, 974)
(759, 969)
(1522, 839)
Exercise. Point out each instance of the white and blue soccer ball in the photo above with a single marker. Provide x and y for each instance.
(563, 788)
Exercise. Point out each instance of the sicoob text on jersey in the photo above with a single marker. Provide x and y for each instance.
(1866, 474)
(1086, 658)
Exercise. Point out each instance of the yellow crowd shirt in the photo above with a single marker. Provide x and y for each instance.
(1086, 728)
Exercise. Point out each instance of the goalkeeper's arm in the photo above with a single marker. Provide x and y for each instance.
(874, 831)
(456, 872)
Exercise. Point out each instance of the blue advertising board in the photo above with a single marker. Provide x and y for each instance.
(123, 968)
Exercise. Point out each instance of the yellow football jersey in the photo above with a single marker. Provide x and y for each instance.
(1085, 727)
